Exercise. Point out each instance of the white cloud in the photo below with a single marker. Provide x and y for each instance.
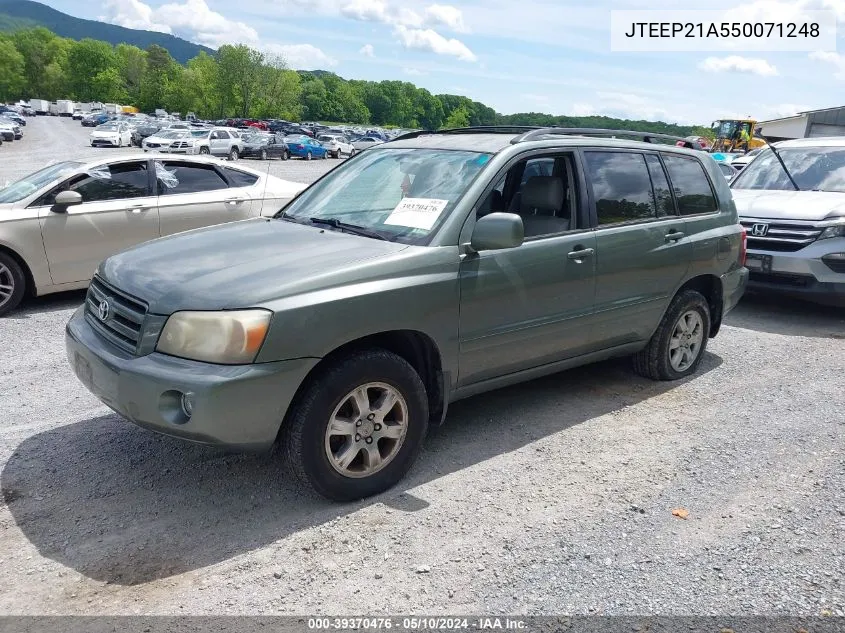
(366, 10)
(302, 56)
(737, 64)
(837, 60)
(626, 106)
(782, 110)
(132, 14)
(433, 42)
(445, 15)
(413, 72)
(208, 27)
(367, 50)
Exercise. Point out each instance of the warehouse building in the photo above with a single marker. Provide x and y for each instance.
(810, 124)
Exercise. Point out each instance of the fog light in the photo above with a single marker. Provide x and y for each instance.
(188, 404)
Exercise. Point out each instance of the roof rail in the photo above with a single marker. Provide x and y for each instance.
(647, 137)
(479, 129)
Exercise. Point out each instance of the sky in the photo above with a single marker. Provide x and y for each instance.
(550, 56)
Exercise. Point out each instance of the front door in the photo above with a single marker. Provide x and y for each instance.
(194, 195)
(529, 306)
(643, 252)
(118, 211)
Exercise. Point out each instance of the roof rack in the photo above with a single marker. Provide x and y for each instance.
(647, 137)
(479, 129)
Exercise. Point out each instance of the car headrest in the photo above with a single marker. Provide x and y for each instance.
(543, 192)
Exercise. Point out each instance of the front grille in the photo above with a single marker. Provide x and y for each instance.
(180, 145)
(125, 319)
(781, 279)
(153, 144)
(782, 236)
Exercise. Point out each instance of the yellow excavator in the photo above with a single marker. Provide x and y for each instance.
(735, 135)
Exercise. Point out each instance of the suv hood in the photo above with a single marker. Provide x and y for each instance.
(237, 265)
(788, 205)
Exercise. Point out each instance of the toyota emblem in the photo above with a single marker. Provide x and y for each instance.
(103, 310)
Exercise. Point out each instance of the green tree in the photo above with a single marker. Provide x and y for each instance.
(155, 84)
(201, 77)
(240, 73)
(12, 67)
(107, 85)
(88, 65)
(45, 62)
(132, 63)
(458, 118)
(314, 95)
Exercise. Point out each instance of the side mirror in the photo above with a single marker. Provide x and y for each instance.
(497, 231)
(66, 199)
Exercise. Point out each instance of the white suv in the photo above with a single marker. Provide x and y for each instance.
(215, 141)
(796, 226)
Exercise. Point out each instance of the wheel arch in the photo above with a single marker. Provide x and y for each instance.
(711, 287)
(415, 347)
(30, 290)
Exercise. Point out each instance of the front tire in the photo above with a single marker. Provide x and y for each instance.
(263, 154)
(358, 426)
(677, 347)
(233, 154)
(12, 284)
(308, 156)
(285, 155)
(204, 150)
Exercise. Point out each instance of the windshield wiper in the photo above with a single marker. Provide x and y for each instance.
(774, 149)
(351, 228)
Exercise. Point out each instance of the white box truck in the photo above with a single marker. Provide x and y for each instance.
(64, 107)
(40, 106)
(53, 110)
(111, 108)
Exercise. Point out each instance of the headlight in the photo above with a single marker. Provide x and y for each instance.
(227, 338)
(837, 230)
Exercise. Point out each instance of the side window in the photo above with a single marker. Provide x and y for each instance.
(189, 178)
(691, 185)
(240, 178)
(538, 167)
(108, 182)
(662, 192)
(223, 135)
(621, 186)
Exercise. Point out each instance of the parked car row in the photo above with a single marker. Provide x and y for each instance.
(12, 123)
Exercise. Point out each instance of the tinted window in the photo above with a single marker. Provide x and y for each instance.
(662, 192)
(538, 167)
(240, 178)
(621, 186)
(692, 188)
(189, 178)
(107, 182)
(223, 135)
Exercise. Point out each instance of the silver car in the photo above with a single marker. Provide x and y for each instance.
(59, 223)
(796, 226)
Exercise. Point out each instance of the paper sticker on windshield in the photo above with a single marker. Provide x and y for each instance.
(417, 213)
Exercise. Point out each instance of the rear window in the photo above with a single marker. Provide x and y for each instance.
(691, 185)
(240, 178)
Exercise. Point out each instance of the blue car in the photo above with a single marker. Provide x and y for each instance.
(307, 148)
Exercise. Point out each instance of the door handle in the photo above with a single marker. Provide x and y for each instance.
(138, 210)
(578, 255)
(674, 236)
(234, 201)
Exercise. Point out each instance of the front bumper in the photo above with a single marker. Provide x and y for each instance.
(104, 142)
(235, 406)
(802, 274)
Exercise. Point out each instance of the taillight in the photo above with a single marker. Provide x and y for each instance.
(743, 247)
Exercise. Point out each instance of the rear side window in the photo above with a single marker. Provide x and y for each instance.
(240, 178)
(189, 178)
(621, 186)
(662, 192)
(692, 187)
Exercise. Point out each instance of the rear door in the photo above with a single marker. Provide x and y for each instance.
(220, 142)
(118, 211)
(196, 194)
(643, 253)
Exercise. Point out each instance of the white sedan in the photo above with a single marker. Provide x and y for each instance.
(111, 134)
(59, 223)
(366, 142)
(336, 145)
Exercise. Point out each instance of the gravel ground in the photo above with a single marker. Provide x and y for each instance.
(554, 497)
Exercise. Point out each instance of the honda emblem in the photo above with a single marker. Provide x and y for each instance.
(759, 230)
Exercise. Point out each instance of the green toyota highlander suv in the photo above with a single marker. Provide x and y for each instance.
(425, 270)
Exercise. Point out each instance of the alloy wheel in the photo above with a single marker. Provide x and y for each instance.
(7, 285)
(686, 340)
(366, 430)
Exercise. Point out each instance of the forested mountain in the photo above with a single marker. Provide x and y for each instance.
(17, 14)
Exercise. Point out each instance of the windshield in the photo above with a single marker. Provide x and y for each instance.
(28, 185)
(813, 168)
(401, 194)
(173, 134)
(108, 127)
(199, 133)
(257, 138)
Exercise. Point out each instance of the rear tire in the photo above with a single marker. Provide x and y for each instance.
(677, 347)
(12, 284)
(308, 156)
(313, 448)
(233, 154)
(263, 154)
(285, 155)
